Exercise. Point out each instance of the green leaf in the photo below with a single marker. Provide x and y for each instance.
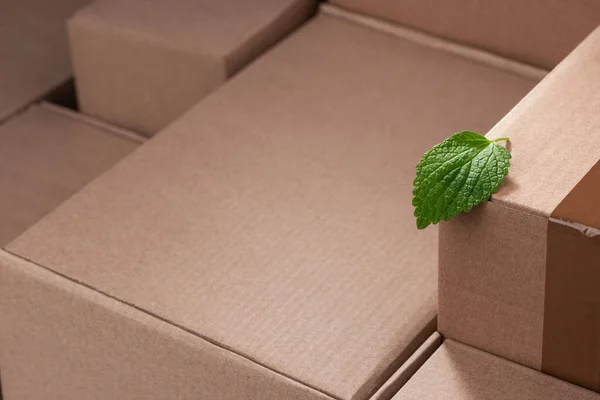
(457, 174)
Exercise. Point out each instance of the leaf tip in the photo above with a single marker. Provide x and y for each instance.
(422, 223)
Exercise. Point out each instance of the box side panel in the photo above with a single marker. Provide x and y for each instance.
(132, 82)
(60, 340)
(524, 30)
(572, 308)
(571, 347)
(142, 64)
(491, 282)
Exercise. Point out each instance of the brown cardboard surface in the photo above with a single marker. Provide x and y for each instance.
(33, 50)
(538, 33)
(491, 281)
(408, 369)
(142, 63)
(457, 371)
(571, 347)
(45, 157)
(437, 43)
(554, 133)
(285, 234)
(80, 343)
(518, 275)
(571, 312)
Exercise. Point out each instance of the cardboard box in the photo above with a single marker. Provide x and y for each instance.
(33, 50)
(540, 34)
(457, 371)
(263, 245)
(140, 64)
(519, 276)
(114, 349)
(47, 156)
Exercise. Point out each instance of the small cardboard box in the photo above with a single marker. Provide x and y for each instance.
(457, 371)
(520, 275)
(540, 34)
(140, 64)
(263, 246)
(34, 55)
(49, 154)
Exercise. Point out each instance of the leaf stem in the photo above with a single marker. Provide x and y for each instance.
(501, 139)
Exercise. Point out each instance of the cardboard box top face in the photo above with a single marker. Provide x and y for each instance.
(46, 158)
(457, 371)
(216, 28)
(33, 50)
(555, 135)
(524, 30)
(275, 218)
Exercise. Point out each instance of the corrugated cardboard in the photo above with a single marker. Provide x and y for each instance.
(33, 50)
(142, 63)
(518, 276)
(62, 340)
(272, 223)
(106, 344)
(457, 371)
(438, 43)
(409, 368)
(536, 32)
(45, 157)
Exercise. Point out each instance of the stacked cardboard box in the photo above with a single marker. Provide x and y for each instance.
(263, 245)
(519, 276)
(140, 64)
(34, 57)
(268, 255)
(47, 156)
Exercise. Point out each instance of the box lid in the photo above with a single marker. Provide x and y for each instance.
(457, 371)
(275, 219)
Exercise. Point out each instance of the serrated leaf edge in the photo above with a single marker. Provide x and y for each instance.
(495, 188)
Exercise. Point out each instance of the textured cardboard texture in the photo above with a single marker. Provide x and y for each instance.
(437, 43)
(572, 307)
(571, 312)
(491, 281)
(554, 133)
(286, 233)
(538, 33)
(408, 369)
(517, 275)
(81, 343)
(142, 63)
(33, 50)
(457, 371)
(46, 157)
